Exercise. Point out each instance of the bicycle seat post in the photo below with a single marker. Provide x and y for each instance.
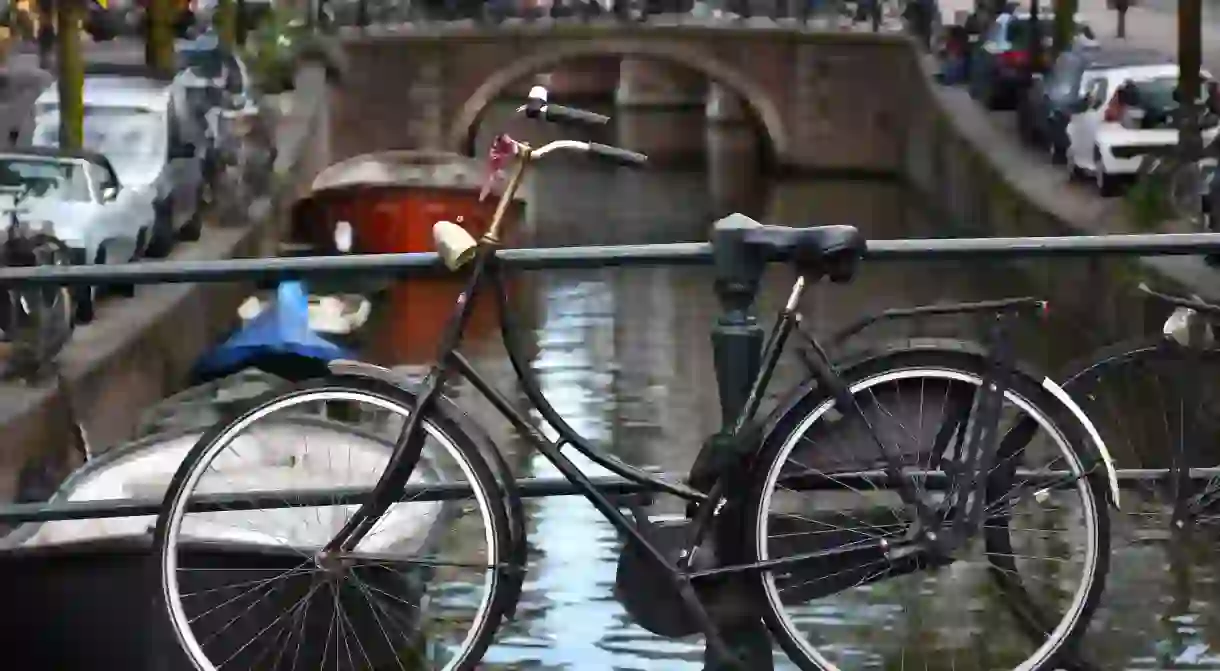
(737, 353)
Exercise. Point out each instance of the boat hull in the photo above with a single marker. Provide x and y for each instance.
(392, 199)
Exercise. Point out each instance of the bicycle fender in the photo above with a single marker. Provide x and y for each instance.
(1091, 430)
(518, 549)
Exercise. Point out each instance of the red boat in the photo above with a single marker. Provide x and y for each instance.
(392, 199)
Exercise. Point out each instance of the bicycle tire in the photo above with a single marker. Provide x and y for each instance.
(440, 418)
(811, 401)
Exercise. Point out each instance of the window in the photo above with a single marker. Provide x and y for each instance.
(43, 178)
(114, 132)
(1098, 90)
(1020, 31)
(1064, 83)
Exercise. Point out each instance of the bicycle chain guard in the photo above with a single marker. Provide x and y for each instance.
(651, 598)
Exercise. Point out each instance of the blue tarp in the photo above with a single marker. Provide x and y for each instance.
(278, 341)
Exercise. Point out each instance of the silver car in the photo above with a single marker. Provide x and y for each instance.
(78, 198)
(143, 127)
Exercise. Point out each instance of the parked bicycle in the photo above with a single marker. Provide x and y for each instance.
(1156, 401)
(874, 476)
(35, 322)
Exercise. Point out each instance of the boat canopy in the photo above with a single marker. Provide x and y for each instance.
(394, 168)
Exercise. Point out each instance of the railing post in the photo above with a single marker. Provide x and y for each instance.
(736, 352)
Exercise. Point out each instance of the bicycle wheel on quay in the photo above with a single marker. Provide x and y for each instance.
(244, 583)
(1013, 598)
(1156, 403)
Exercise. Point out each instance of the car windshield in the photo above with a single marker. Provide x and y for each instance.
(45, 178)
(1160, 93)
(114, 132)
(1021, 30)
(1157, 93)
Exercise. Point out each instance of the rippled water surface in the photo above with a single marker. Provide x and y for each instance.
(625, 356)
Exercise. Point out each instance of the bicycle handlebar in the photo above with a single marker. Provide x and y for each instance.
(1195, 303)
(538, 107)
(626, 157)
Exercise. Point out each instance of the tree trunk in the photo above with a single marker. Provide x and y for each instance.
(71, 66)
(1190, 60)
(1065, 25)
(159, 42)
(226, 22)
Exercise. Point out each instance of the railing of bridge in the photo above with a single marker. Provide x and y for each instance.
(735, 291)
(875, 15)
(735, 334)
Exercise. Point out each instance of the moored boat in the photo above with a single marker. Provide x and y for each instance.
(393, 198)
(337, 315)
(278, 339)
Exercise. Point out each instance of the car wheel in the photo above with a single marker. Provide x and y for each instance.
(162, 242)
(1024, 130)
(1056, 153)
(85, 297)
(1107, 184)
(193, 229)
(1074, 172)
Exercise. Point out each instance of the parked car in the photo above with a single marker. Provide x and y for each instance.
(141, 125)
(1125, 114)
(77, 197)
(1043, 113)
(1000, 65)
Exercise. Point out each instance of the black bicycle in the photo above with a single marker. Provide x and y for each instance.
(36, 323)
(1156, 401)
(933, 465)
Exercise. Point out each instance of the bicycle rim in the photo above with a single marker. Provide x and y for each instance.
(843, 610)
(276, 560)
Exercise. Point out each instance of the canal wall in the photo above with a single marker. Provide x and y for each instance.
(141, 349)
(978, 180)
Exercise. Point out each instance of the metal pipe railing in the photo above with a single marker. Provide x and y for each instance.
(557, 258)
(563, 258)
(528, 488)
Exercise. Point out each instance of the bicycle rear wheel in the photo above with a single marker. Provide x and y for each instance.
(994, 612)
(244, 582)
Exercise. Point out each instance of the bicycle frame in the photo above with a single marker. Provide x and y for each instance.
(449, 361)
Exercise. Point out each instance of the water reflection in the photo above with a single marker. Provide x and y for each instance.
(624, 355)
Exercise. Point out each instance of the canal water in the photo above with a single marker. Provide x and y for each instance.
(625, 356)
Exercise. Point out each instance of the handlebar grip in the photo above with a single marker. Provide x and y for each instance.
(618, 155)
(563, 114)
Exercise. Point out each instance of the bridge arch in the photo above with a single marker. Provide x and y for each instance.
(465, 123)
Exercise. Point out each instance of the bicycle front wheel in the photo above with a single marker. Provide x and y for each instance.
(1012, 596)
(243, 576)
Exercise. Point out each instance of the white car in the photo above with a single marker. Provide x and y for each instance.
(142, 126)
(77, 197)
(1108, 136)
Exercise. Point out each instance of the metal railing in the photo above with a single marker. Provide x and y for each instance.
(366, 13)
(736, 335)
(734, 285)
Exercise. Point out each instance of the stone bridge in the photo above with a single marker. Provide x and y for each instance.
(824, 99)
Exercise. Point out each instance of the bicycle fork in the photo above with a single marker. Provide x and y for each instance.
(410, 442)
